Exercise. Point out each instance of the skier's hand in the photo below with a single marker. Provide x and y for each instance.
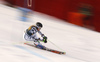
(45, 39)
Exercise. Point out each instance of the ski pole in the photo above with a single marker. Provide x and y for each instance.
(56, 45)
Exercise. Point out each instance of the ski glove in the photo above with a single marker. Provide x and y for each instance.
(45, 39)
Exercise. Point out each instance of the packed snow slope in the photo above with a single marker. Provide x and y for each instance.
(80, 44)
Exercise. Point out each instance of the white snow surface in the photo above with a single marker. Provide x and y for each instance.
(80, 44)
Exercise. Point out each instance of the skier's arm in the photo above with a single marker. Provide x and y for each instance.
(44, 37)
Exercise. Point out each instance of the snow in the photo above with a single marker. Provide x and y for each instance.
(80, 44)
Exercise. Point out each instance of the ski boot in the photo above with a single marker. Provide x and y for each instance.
(40, 46)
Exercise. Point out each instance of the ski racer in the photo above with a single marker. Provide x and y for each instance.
(30, 35)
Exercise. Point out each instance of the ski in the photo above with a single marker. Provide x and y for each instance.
(47, 49)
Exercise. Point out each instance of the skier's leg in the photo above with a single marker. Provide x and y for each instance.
(37, 43)
(27, 37)
(35, 39)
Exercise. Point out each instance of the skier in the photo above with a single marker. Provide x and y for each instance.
(31, 35)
